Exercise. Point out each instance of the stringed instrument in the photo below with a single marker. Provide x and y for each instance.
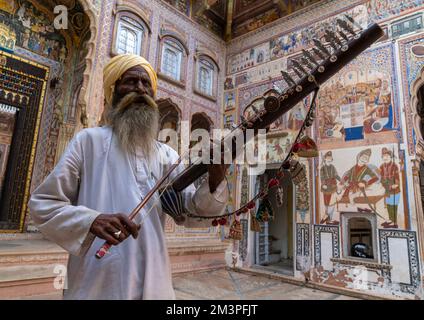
(329, 56)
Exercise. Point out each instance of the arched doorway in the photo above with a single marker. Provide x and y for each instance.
(199, 121)
(169, 123)
(274, 246)
(43, 71)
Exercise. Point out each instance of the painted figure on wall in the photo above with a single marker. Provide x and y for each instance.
(229, 101)
(370, 182)
(380, 115)
(228, 84)
(329, 178)
(359, 177)
(351, 107)
(390, 179)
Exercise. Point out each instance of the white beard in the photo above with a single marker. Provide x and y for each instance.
(135, 123)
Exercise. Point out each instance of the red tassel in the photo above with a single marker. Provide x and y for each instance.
(273, 183)
(251, 205)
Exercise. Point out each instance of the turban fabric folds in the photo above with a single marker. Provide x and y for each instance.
(118, 65)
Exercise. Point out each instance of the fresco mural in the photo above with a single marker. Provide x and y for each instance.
(229, 100)
(360, 100)
(383, 9)
(291, 121)
(31, 29)
(180, 5)
(362, 179)
(286, 44)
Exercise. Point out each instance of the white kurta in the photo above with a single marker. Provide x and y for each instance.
(94, 176)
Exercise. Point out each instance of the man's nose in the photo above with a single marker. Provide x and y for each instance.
(140, 87)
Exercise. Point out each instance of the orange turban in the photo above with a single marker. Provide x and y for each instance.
(117, 66)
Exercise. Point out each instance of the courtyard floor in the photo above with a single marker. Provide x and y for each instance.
(224, 284)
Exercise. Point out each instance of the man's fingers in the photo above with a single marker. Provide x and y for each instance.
(116, 233)
(109, 238)
(129, 225)
(121, 227)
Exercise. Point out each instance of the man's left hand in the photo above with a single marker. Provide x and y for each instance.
(217, 173)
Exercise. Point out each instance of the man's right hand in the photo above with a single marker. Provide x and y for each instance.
(107, 226)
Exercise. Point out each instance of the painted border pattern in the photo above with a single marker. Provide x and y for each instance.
(413, 258)
(334, 230)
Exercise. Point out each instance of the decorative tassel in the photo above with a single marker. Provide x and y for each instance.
(236, 232)
(265, 212)
(306, 148)
(254, 224)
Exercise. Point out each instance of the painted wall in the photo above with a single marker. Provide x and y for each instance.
(364, 120)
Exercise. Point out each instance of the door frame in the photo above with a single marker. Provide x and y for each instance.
(20, 164)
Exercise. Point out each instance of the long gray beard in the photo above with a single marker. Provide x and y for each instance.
(135, 124)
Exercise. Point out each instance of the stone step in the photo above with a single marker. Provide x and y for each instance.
(196, 255)
(28, 268)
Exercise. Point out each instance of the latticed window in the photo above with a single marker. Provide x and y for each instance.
(172, 56)
(206, 77)
(129, 37)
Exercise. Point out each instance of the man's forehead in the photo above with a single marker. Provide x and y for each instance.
(136, 71)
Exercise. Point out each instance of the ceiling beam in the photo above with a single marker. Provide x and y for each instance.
(229, 26)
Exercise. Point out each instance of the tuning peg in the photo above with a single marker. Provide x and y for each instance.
(308, 63)
(332, 35)
(343, 35)
(298, 66)
(277, 88)
(288, 79)
(310, 57)
(318, 53)
(345, 26)
(321, 47)
(321, 69)
(353, 22)
(298, 73)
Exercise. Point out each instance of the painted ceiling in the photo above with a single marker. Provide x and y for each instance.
(232, 18)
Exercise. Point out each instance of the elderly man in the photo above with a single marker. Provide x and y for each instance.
(101, 177)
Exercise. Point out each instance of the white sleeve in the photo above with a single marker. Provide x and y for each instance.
(52, 204)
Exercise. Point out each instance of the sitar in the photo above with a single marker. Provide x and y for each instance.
(333, 51)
